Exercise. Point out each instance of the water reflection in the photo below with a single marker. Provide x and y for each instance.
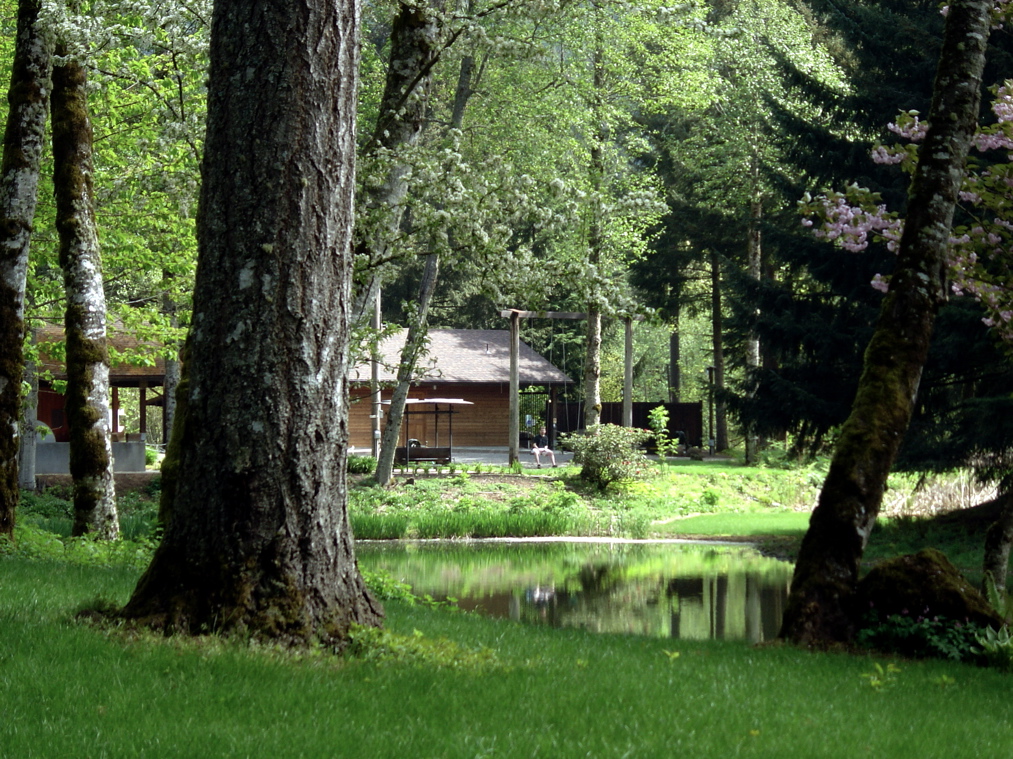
(687, 591)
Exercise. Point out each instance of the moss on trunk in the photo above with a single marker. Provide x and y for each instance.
(820, 608)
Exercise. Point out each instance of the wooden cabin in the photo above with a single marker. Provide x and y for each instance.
(470, 364)
(52, 452)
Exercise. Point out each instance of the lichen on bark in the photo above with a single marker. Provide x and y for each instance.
(19, 178)
(86, 401)
(256, 538)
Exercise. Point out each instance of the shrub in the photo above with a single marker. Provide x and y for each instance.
(361, 465)
(609, 454)
(921, 637)
(658, 419)
(150, 456)
(996, 648)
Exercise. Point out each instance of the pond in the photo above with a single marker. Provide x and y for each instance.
(663, 589)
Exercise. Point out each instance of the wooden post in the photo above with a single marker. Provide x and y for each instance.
(628, 375)
(515, 386)
(116, 410)
(143, 407)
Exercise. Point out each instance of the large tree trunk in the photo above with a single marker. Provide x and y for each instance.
(257, 538)
(19, 181)
(87, 396)
(416, 42)
(820, 605)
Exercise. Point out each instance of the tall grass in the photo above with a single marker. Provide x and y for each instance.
(71, 690)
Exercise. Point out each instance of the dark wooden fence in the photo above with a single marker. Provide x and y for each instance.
(685, 420)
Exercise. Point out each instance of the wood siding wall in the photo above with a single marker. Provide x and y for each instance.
(486, 423)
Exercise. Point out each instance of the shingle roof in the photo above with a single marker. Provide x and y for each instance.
(465, 355)
(120, 374)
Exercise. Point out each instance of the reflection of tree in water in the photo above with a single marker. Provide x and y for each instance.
(740, 606)
(685, 591)
(597, 578)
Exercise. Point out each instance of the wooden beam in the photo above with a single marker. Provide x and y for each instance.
(542, 314)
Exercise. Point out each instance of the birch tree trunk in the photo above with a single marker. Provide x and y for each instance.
(410, 354)
(87, 396)
(419, 329)
(257, 539)
(19, 181)
(820, 607)
(416, 42)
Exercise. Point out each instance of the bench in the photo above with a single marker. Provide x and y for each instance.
(418, 454)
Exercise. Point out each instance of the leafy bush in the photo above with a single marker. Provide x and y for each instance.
(609, 454)
(150, 456)
(995, 647)
(657, 418)
(361, 464)
(921, 637)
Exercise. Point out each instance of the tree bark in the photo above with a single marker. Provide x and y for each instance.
(596, 236)
(819, 608)
(998, 540)
(257, 539)
(720, 431)
(754, 262)
(87, 396)
(29, 429)
(24, 134)
(414, 344)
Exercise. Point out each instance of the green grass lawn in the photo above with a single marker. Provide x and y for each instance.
(69, 690)
(446, 684)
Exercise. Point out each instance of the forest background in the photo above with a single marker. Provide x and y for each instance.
(609, 158)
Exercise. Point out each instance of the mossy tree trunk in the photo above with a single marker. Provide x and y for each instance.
(19, 181)
(87, 396)
(819, 608)
(257, 538)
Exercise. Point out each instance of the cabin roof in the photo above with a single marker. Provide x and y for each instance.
(147, 366)
(465, 356)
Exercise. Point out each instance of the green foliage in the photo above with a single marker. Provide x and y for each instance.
(609, 454)
(920, 637)
(381, 646)
(361, 464)
(999, 600)
(882, 677)
(150, 456)
(33, 542)
(657, 418)
(995, 647)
